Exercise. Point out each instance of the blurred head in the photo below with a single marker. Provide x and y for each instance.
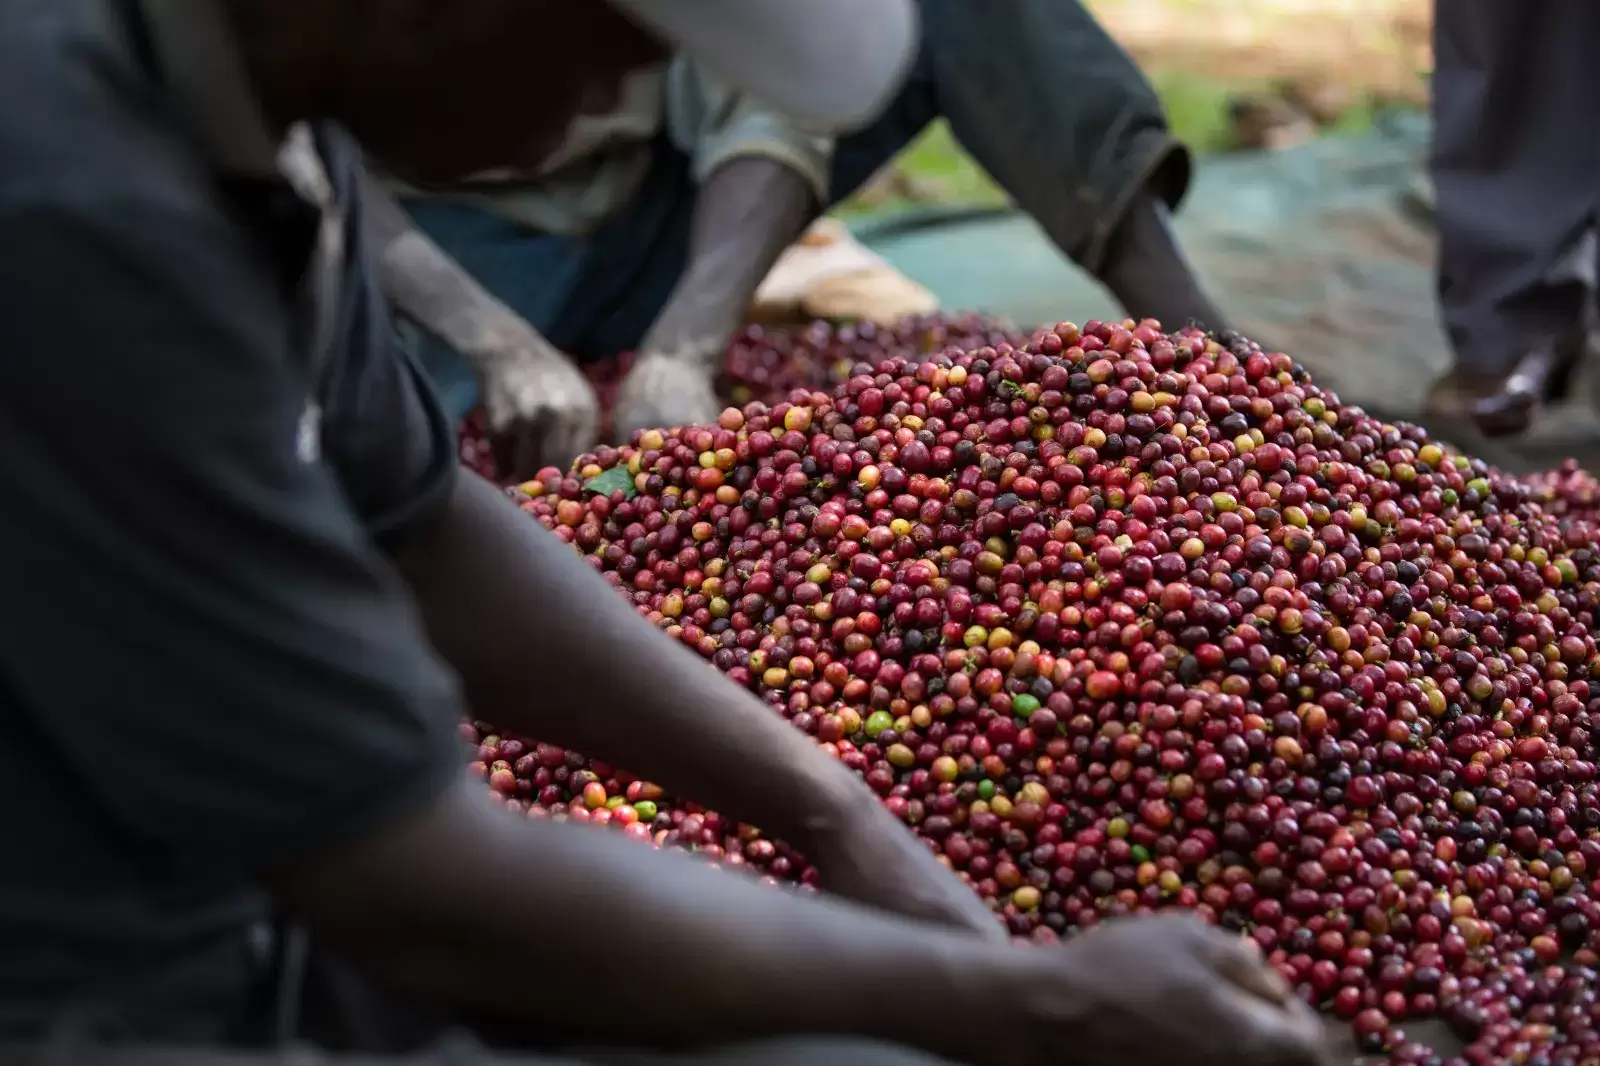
(439, 89)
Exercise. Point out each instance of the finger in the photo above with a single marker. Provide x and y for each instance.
(576, 435)
(529, 450)
(568, 435)
(502, 444)
(1276, 1026)
(590, 428)
(516, 450)
(552, 444)
(1239, 961)
(1264, 1034)
(502, 427)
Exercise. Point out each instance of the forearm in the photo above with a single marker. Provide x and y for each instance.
(547, 648)
(520, 921)
(431, 288)
(748, 211)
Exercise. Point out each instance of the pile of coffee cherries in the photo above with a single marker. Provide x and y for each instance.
(1119, 620)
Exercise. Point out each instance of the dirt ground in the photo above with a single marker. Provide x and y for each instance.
(1325, 48)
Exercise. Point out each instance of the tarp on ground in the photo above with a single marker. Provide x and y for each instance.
(1317, 249)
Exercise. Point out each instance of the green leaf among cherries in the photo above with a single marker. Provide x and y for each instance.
(608, 481)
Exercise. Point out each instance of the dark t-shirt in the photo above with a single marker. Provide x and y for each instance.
(207, 666)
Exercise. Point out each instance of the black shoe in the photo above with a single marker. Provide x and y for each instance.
(1503, 405)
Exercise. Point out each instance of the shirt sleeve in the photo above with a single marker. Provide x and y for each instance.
(383, 427)
(198, 626)
(713, 124)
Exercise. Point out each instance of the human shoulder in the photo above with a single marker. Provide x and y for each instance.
(84, 128)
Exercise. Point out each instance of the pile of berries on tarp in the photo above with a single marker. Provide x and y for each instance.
(1118, 620)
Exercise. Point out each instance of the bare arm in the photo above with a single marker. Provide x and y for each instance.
(506, 603)
(747, 213)
(541, 410)
(525, 921)
(469, 907)
(546, 648)
(749, 210)
(430, 287)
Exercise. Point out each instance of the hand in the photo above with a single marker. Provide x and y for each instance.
(872, 859)
(663, 391)
(1157, 991)
(540, 408)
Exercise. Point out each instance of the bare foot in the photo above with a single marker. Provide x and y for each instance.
(661, 392)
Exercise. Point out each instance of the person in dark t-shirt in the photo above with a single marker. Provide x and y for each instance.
(247, 595)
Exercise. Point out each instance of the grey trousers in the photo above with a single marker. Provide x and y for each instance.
(1516, 173)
